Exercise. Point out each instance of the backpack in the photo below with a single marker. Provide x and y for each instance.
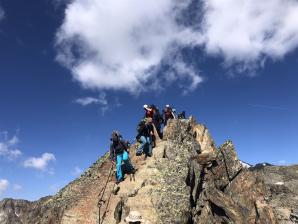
(157, 118)
(181, 115)
(141, 126)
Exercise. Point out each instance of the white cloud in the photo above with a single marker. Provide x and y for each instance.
(3, 185)
(247, 32)
(17, 187)
(40, 163)
(121, 45)
(77, 171)
(101, 100)
(85, 101)
(8, 147)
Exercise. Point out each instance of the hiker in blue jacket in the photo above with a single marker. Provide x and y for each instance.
(119, 154)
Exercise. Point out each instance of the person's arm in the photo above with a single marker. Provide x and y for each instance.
(140, 132)
(151, 129)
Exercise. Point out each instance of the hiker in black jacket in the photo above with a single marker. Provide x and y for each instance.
(119, 153)
(145, 133)
(157, 120)
(168, 114)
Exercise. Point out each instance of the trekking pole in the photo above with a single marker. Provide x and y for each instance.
(101, 194)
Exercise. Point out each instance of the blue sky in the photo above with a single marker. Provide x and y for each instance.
(71, 72)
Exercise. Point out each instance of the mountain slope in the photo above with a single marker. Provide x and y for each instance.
(188, 180)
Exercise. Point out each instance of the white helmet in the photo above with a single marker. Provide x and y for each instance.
(146, 107)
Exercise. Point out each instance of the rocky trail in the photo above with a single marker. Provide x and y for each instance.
(187, 180)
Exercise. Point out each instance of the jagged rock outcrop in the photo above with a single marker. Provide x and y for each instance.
(188, 180)
(281, 190)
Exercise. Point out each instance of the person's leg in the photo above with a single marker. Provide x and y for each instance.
(149, 143)
(141, 147)
(118, 167)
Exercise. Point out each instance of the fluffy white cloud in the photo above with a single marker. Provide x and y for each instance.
(8, 147)
(247, 32)
(109, 44)
(3, 185)
(40, 163)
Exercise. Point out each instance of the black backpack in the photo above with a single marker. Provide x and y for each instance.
(181, 115)
(158, 117)
(141, 126)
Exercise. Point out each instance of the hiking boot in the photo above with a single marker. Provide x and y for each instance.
(138, 153)
(119, 181)
(133, 171)
(116, 189)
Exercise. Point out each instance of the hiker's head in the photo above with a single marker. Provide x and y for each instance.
(153, 107)
(147, 108)
(115, 136)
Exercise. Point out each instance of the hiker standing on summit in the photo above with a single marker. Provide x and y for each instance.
(119, 154)
(168, 113)
(157, 120)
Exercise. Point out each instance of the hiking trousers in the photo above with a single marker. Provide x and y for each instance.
(146, 145)
(122, 157)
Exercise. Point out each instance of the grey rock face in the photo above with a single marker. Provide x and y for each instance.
(281, 191)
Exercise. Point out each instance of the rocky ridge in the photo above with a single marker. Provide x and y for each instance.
(188, 180)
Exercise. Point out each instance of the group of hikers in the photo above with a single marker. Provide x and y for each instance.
(147, 129)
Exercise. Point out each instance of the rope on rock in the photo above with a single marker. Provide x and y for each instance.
(101, 195)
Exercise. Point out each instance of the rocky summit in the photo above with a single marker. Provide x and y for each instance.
(187, 180)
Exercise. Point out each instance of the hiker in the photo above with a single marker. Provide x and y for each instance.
(119, 153)
(157, 120)
(148, 111)
(145, 133)
(168, 113)
(181, 115)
